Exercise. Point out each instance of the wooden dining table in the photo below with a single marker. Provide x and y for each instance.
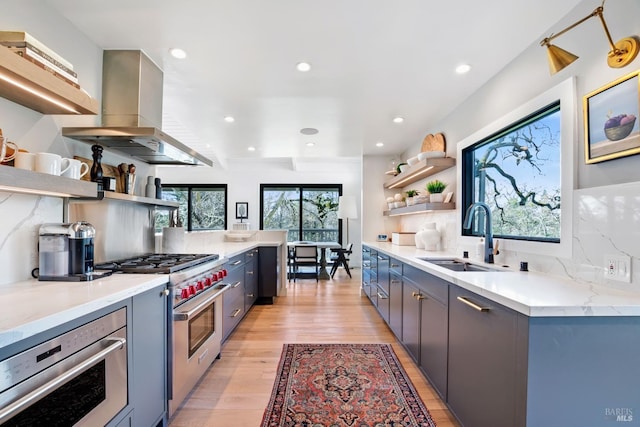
(323, 274)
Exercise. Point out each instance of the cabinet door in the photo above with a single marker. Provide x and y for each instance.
(434, 330)
(250, 279)
(233, 301)
(411, 318)
(383, 271)
(149, 364)
(382, 304)
(483, 375)
(395, 304)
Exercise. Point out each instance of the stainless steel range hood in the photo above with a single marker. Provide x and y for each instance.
(132, 113)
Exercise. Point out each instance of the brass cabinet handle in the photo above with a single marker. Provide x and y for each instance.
(472, 304)
(420, 297)
(415, 294)
(236, 312)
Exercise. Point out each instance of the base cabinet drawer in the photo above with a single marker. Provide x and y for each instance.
(232, 312)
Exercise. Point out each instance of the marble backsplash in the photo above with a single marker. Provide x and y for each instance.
(22, 216)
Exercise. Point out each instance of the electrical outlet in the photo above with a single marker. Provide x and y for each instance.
(617, 267)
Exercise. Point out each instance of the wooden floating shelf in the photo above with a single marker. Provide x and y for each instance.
(27, 182)
(419, 171)
(29, 85)
(420, 208)
(140, 199)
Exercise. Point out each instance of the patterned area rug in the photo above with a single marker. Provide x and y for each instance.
(343, 385)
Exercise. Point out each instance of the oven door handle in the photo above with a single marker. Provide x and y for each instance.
(186, 315)
(43, 390)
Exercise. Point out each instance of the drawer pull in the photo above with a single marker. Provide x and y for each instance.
(235, 285)
(250, 272)
(236, 263)
(236, 312)
(395, 265)
(472, 304)
(415, 294)
(395, 282)
(250, 295)
(420, 297)
(381, 295)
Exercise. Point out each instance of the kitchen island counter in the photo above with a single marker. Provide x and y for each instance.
(530, 293)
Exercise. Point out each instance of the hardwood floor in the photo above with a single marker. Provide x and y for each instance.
(235, 390)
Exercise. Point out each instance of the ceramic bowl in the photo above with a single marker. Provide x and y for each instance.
(413, 160)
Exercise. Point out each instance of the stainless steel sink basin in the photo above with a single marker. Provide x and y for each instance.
(456, 264)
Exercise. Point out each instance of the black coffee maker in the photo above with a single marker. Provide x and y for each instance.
(81, 235)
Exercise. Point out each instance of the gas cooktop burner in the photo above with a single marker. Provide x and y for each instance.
(157, 263)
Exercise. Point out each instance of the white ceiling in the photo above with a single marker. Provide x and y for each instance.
(371, 60)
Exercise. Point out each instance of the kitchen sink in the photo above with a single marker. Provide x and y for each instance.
(456, 264)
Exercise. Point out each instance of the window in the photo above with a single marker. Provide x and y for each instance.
(202, 206)
(516, 172)
(307, 212)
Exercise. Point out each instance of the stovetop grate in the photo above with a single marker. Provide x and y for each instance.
(156, 263)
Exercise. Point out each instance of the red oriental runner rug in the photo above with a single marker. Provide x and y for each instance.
(343, 385)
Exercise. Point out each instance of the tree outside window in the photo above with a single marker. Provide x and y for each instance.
(307, 212)
(202, 206)
(517, 173)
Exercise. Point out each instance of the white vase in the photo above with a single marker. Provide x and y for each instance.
(430, 237)
(418, 239)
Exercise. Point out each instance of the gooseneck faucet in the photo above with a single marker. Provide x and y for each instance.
(488, 233)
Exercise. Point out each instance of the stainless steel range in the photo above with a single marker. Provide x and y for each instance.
(196, 285)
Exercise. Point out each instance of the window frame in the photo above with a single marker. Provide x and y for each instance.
(469, 181)
(190, 188)
(565, 92)
(302, 187)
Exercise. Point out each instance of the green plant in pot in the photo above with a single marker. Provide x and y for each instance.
(435, 189)
(410, 196)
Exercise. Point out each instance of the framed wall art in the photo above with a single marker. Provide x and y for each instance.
(611, 128)
(242, 210)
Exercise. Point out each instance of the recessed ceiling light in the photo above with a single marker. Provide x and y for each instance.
(310, 144)
(229, 119)
(178, 53)
(309, 131)
(379, 144)
(251, 148)
(463, 68)
(398, 119)
(303, 66)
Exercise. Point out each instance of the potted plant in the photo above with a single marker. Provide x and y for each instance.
(435, 189)
(411, 194)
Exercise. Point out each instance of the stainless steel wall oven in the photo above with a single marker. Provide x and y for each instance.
(78, 378)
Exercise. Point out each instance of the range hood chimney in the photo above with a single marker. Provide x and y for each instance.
(132, 113)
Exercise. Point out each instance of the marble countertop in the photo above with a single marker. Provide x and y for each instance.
(31, 306)
(530, 293)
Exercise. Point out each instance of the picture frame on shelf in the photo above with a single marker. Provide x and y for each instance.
(611, 126)
(242, 210)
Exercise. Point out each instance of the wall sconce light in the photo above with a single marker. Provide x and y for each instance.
(621, 53)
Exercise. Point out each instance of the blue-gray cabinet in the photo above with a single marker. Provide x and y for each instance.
(148, 373)
(395, 297)
(250, 278)
(233, 299)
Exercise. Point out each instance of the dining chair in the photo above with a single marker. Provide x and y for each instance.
(305, 256)
(340, 257)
